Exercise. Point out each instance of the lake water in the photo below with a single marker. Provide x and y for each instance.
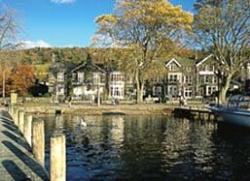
(151, 148)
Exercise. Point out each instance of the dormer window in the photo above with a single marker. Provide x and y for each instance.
(172, 67)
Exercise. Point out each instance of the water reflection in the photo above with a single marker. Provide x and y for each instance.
(150, 148)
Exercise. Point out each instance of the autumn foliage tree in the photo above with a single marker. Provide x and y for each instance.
(147, 28)
(22, 78)
(19, 78)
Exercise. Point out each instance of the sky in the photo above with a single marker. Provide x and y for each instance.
(63, 23)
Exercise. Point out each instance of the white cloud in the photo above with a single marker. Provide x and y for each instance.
(32, 44)
(62, 1)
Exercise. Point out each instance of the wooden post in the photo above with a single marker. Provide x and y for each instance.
(21, 120)
(27, 131)
(13, 98)
(11, 110)
(15, 116)
(38, 140)
(58, 157)
(59, 121)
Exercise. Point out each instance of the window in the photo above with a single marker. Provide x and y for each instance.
(157, 91)
(214, 79)
(188, 79)
(209, 90)
(188, 92)
(116, 76)
(206, 79)
(172, 67)
(96, 78)
(80, 77)
(171, 78)
(175, 78)
(117, 91)
(60, 76)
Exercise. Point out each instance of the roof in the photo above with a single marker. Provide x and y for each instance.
(180, 61)
(204, 60)
(173, 60)
(89, 65)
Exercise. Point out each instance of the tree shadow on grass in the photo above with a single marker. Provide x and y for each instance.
(29, 161)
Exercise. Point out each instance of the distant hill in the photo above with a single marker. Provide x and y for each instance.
(37, 56)
(44, 55)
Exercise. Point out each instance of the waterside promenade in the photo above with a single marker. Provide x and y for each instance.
(16, 160)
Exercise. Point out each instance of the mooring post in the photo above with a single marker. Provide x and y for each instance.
(15, 116)
(59, 121)
(12, 111)
(58, 157)
(21, 120)
(27, 132)
(38, 140)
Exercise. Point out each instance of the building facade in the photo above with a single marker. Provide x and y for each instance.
(183, 77)
(87, 81)
(188, 78)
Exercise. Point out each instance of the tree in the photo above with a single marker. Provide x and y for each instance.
(222, 27)
(42, 72)
(145, 28)
(22, 78)
(8, 31)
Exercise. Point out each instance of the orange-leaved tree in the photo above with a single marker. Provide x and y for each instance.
(23, 78)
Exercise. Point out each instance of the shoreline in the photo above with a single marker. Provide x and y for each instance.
(135, 109)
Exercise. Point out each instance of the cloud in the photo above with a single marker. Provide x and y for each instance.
(62, 1)
(32, 44)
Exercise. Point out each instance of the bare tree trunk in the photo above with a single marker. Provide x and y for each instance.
(139, 90)
(224, 88)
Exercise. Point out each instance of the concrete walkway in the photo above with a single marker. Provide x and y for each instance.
(16, 160)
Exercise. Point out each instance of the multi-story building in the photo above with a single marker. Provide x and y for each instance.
(206, 80)
(58, 75)
(117, 85)
(183, 76)
(187, 77)
(87, 81)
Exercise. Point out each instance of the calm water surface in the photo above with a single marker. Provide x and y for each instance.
(151, 148)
